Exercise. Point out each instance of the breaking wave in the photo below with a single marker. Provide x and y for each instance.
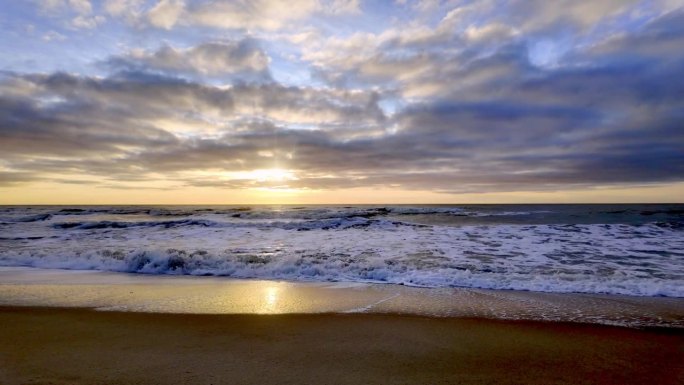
(553, 249)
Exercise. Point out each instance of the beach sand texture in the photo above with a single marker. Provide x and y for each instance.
(81, 346)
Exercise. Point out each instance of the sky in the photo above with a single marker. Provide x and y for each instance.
(341, 101)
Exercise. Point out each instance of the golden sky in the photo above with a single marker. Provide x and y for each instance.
(55, 193)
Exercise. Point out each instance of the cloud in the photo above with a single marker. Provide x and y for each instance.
(64, 123)
(244, 59)
(337, 7)
(131, 12)
(76, 14)
(538, 14)
(473, 111)
(86, 22)
(53, 36)
(121, 7)
(166, 13)
(266, 15)
(257, 14)
(8, 179)
(81, 7)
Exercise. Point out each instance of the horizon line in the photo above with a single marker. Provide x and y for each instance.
(340, 204)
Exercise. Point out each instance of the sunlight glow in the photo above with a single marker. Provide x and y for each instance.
(269, 175)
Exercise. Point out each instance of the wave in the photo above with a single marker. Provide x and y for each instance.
(314, 266)
(249, 212)
(571, 249)
(29, 218)
(444, 214)
(125, 225)
(321, 224)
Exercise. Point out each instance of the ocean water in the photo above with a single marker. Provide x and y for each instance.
(613, 249)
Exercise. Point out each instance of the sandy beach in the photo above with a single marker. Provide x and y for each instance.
(82, 346)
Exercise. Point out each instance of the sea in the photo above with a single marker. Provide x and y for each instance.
(626, 249)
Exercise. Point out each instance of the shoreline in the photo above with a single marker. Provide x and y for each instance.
(542, 323)
(60, 345)
(211, 295)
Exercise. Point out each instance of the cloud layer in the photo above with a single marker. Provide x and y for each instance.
(449, 96)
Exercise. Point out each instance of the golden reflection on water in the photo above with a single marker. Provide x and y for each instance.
(270, 302)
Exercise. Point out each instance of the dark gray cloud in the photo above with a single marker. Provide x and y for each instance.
(15, 178)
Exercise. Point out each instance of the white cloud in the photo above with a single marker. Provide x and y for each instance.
(256, 14)
(82, 7)
(166, 13)
(51, 5)
(426, 5)
(53, 36)
(123, 8)
(337, 7)
(536, 14)
(87, 22)
(489, 32)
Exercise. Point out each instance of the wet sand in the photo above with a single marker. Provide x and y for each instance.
(219, 295)
(81, 346)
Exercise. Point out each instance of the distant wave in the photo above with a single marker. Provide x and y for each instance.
(125, 225)
(299, 225)
(501, 214)
(33, 218)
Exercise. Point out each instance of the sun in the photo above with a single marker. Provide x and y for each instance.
(268, 175)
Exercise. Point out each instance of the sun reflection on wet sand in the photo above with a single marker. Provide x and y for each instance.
(211, 295)
(270, 304)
